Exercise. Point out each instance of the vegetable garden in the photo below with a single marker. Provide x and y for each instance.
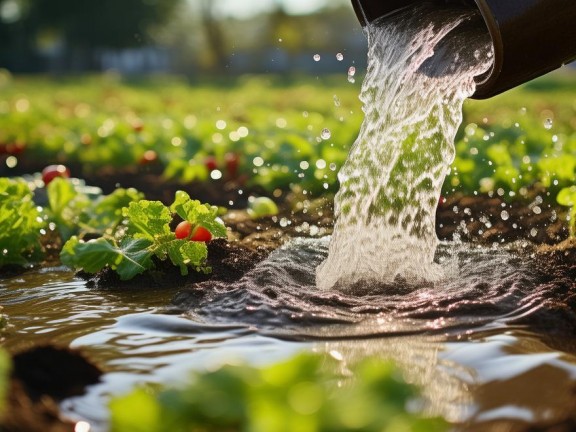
(130, 192)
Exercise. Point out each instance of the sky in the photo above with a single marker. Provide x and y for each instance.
(247, 8)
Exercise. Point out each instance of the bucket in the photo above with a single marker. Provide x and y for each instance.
(530, 37)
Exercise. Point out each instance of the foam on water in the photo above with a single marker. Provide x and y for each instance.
(421, 67)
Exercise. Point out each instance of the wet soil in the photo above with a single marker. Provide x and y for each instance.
(37, 383)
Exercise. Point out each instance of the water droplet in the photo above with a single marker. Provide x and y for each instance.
(533, 232)
(536, 210)
(548, 123)
(339, 56)
(316, 57)
(216, 174)
(336, 101)
(351, 79)
(504, 215)
(326, 134)
(351, 71)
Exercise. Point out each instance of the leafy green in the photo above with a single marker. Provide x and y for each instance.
(296, 395)
(148, 219)
(4, 374)
(65, 206)
(143, 234)
(567, 197)
(130, 258)
(21, 223)
(105, 213)
(75, 213)
(198, 214)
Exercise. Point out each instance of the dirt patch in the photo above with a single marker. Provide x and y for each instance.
(41, 377)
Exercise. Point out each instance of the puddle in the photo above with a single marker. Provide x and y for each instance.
(469, 340)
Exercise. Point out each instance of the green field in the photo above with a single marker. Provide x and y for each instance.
(275, 126)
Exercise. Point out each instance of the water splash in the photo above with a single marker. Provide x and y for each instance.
(420, 71)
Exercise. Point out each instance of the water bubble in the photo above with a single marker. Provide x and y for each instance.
(351, 79)
(548, 123)
(11, 161)
(279, 39)
(258, 161)
(316, 57)
(336, 101)
(351, 71)
(533, 232)
(320, 164)
(339, 56)
(216, 174)
(304, 165)
(326, 134)
(332, 166)
(537, 210)
(243, 131)
(504, 215)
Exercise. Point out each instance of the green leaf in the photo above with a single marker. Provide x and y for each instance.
(148, 219)
(132, 258)
(21, 222)
(198, 214)
(136, 412)
(4, 375)
(106, 212)
(183, 253)
(136, 258)
(567, 196)
(298, 394)
(66, 206)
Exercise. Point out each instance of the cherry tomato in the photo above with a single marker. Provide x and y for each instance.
(149, 156)
(52, 171)
(201, 234)
(183, 230)
(210, 163)
(232, 162)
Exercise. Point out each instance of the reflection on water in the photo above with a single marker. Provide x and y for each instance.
(461, 340)
(507, 379)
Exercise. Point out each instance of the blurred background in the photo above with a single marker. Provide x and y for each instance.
(190, 37)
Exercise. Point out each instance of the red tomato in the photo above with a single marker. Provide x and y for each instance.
(201, 234)
(183, 230)
(210, 163)
(148, 157)
(52, 171)
(232, 162)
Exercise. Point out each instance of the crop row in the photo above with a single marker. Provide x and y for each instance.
(271, 133)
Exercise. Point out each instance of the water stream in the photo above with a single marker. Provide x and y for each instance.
(421, 67)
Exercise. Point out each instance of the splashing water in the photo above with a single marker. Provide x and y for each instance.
(421, 67)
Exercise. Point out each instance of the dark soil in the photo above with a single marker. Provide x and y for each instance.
(41, 377)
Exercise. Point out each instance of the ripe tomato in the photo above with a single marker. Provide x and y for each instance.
(210, 163)
(232, 162)
(183, 230)
(201, 234)
(149, 156)
(52, 171)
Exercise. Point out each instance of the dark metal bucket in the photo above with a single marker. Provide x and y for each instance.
(530, 37)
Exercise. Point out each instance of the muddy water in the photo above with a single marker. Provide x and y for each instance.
(478, 343)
